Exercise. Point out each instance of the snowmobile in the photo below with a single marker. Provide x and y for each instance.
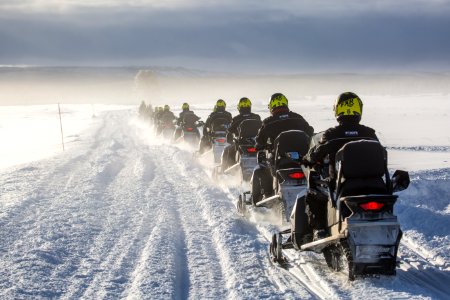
(245, 158)
(363, 234)
(189, 131)
(218, 137)
(166, 129)
(288, 172)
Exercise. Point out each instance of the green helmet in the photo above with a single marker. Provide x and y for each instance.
(244, 103)
(185, 106)
(166, 107)
(277, 100)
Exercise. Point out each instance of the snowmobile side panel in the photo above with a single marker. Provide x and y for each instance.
(318, 245)
(265, 201)
(231, 169)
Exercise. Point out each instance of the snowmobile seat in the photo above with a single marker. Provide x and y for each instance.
(361, 167)
(248, 129)
(219, 127)
(290, 147)
(334, 146)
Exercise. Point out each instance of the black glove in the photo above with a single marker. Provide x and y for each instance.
(308, 163)
(261, 158)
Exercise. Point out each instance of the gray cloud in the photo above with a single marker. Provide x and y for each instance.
(300, 7)
(350, 37)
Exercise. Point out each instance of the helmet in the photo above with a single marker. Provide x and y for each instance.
(220, 105)
(244, 103)
(166, 107)
(348, 106)
(277, 100)
(185, 106)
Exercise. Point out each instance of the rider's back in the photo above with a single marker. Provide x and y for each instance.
(280, 122)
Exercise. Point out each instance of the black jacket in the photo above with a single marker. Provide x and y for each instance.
(167, 116)
(237, 120)
(334, 138)
(191, 119)
(282, 120)
(222, 114)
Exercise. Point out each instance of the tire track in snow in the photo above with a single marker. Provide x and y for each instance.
(140, 217)
(44, 233)
(160, 271)
(418, 269)
(51, 245)
(106, 269)
(202, 253)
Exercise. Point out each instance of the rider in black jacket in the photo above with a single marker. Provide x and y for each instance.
(218, 113)
(281, 119)
(185, 111)
(244, 107)
(348, 111)
(166, 118)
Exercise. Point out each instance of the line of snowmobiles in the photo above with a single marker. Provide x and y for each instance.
(243, 145)
(362, 234)
(187, 132)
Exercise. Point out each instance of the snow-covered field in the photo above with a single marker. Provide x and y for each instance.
(122, 214)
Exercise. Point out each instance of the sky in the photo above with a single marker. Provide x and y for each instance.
(242, 35)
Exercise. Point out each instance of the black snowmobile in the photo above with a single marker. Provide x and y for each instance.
(363, 232)
(245, 159)
(218, 137)
(166, 127)
(189, 130)
(288, 173)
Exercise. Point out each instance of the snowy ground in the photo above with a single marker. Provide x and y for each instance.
(121, 214)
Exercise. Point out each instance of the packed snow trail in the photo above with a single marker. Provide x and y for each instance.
(118, 216)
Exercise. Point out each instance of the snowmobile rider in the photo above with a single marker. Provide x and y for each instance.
(149, 112)
(281, 119)
(181, 121)
(166, 118)
(244, 107)
(219, 115)
(156, 115)
(347, 111)
(142, 109)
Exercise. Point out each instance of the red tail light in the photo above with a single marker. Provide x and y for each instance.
(189, 129)
(251, 150)
(297, 175)
(372, 206)
(220, 140)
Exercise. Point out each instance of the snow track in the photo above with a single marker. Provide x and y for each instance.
(123, 215)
